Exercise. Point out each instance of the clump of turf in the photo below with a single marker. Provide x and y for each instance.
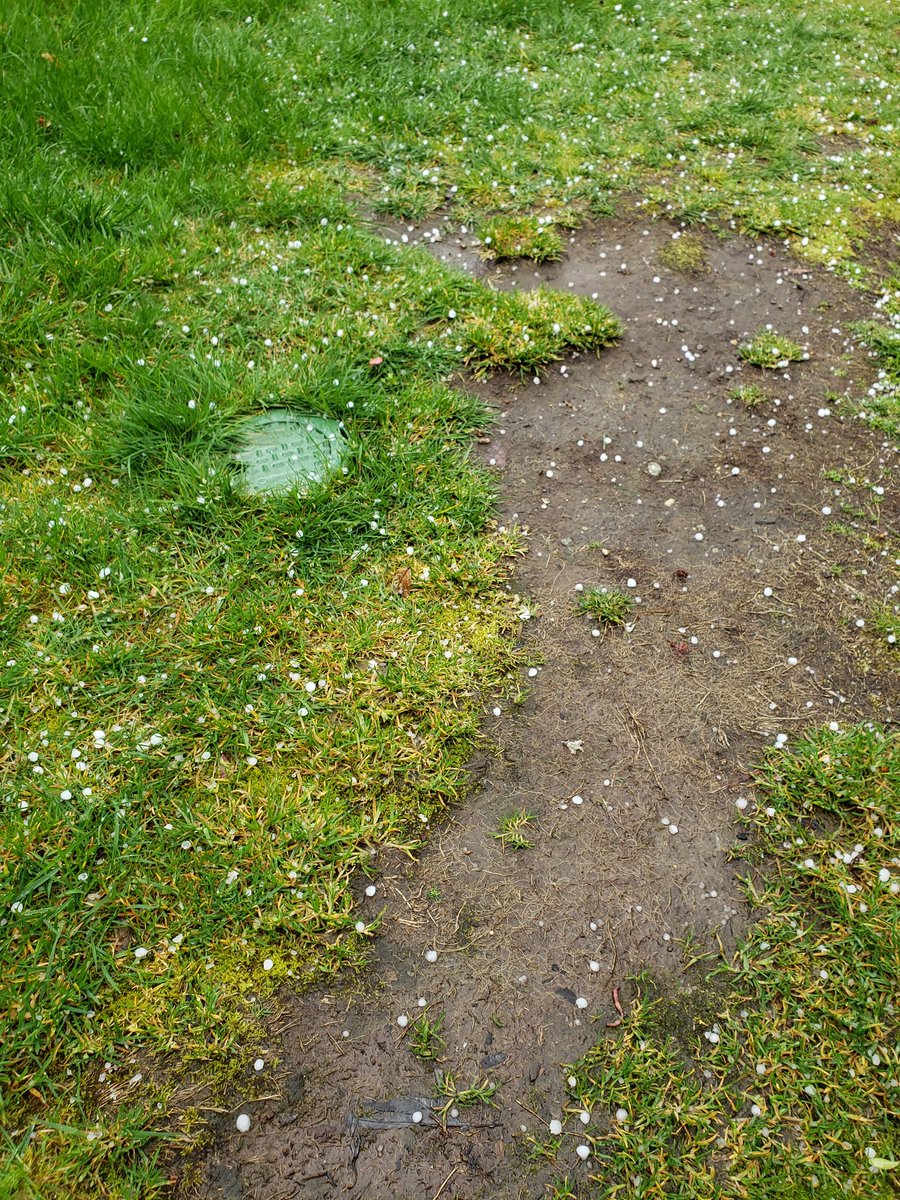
(522, 331)
(608, 606)
(525, 236)
(771, 350)
(748, 394)
(686, 253)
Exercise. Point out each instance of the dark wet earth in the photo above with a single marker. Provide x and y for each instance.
(633, 470)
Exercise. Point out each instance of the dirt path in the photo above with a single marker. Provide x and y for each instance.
(632, 747)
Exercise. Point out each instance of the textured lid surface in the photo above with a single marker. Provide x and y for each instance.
(281, 450)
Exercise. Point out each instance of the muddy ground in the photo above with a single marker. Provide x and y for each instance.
(632, 748)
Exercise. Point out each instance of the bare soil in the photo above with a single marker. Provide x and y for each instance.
(653, 728)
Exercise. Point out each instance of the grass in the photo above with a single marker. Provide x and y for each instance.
(749, 395)
(424, 1038)
(609, 606)
(480, 1091)
(771, 350)
(285, 685)
(881, 407)
(527, 236)
(787, 1087)
(511, 832)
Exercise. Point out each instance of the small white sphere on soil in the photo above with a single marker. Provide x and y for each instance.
(417, 1117)
(431, 955)
(583, 1152)
(242, 1123)
(403, 1021)
(556, 1128)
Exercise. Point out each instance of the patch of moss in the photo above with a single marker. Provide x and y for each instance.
(686, 253)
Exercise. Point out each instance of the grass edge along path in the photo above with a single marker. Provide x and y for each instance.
(777, 1076)
(222, 707)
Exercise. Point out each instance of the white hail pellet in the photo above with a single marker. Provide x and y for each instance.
(556, 1128)
(583, 1152)
(242, 1123)
(431, 955)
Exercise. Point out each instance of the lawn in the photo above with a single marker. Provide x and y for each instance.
(218, 706)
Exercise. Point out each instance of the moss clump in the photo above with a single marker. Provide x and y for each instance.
(686, 253)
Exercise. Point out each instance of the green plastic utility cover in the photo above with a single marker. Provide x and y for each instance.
(282, 450)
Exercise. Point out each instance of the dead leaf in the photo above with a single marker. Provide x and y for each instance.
(47, 56)
(402, 581)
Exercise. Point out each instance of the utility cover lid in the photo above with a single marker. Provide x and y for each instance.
(281, 450)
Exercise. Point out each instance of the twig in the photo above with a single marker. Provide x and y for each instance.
(446, 1181)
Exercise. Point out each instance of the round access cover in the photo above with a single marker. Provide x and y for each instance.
(282, 449)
